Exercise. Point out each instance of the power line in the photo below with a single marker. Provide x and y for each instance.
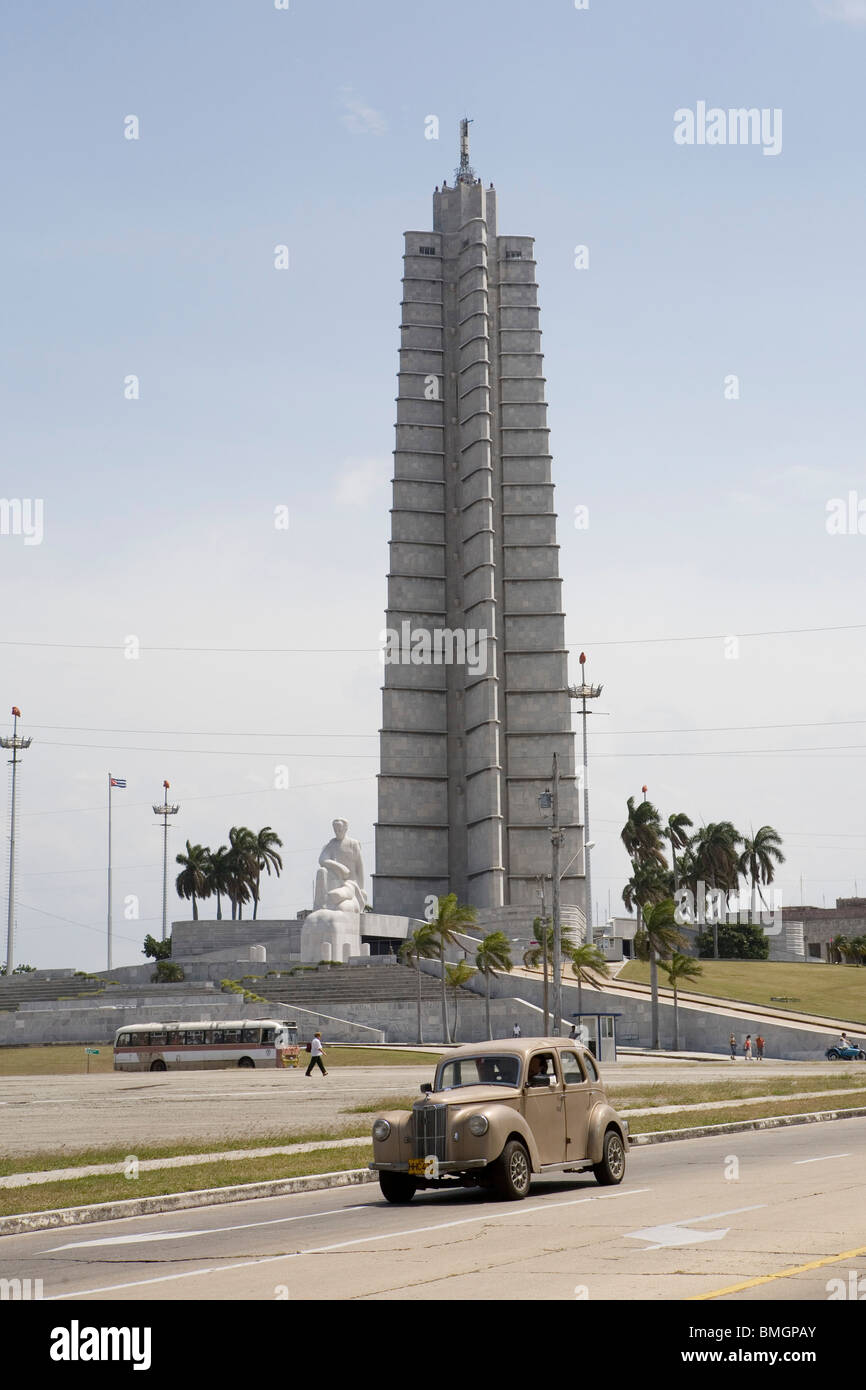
(206, 796)
(305, 651)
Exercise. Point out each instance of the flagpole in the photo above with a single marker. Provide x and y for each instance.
(109, 966)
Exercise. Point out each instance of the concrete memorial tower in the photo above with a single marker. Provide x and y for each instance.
(475, 699)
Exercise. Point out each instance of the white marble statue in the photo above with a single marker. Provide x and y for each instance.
(333, 929)
(340, 878)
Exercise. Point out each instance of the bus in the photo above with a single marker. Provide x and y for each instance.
(248, 1042)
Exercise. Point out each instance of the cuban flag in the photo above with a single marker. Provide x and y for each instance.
(117, 781)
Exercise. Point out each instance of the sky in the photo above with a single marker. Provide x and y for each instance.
(170, 396)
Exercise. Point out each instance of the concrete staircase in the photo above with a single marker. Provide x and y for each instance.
(348, 984)
(17, 989)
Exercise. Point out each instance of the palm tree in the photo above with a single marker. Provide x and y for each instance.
(675, 833)
(542, 954)
(265, 856)
(717, 861)
(589, 966)
(421, 945)
(641, 836)
(680, 967)
(660, 937)
(241, 868)
(218, 876)
(456, 976)
(451, 918)
(192, 882)
(493, 955)
(756, 861)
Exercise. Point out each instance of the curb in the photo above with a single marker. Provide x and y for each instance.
(664, 1136)
(179, 1201)
(350, 1177)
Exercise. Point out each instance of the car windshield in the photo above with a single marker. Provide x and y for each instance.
(479, 1071)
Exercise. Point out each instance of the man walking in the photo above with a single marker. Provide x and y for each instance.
(733, 1047)
(759, 1044)
(316, 1051)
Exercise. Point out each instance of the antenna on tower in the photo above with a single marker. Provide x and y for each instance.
(465, 173)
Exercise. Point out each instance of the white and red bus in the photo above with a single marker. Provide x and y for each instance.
(248, 1042)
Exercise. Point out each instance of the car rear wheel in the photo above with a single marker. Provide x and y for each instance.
(246, 1062)
(511, 1173)
(611, 1170)
(397, 1187)
(157, 1066)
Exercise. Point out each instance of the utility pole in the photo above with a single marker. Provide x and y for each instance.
(556, 842)
(16, 744)
(584, 692)
(165, 810)
(545, 1009)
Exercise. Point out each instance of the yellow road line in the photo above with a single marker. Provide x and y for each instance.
(782, 1274)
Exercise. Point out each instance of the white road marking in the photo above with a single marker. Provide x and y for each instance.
(145, 1237)
(822, 1158)
(519, 1210)
(674, 1233)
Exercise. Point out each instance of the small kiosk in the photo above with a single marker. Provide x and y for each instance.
(597, 1032)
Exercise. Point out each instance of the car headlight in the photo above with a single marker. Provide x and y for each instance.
(381, 1130)
(478, 1125)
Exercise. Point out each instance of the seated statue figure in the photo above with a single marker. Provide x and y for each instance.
(340, 877)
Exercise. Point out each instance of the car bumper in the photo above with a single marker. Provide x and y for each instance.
(455, 1165)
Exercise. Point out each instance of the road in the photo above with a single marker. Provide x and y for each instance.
(693, 1218)
(65, 1113)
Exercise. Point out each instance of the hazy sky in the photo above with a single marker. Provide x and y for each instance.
(262, 388)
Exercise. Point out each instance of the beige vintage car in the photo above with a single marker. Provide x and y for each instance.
(498, 1112)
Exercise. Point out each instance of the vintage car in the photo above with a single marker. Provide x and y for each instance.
(496, 1114)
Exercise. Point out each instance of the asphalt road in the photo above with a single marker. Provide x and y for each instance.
(65, 1113)
(692, 1219)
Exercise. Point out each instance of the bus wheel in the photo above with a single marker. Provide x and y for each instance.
(246, 1062)
(157, 1066)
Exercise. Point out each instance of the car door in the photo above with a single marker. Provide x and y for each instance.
(544, 1109)
(578, 1104)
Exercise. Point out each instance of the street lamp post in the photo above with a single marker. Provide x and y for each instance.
(550, 801)
(16, 744)
(165, 810)
(584, 692)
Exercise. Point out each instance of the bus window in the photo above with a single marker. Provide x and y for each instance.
(194, 1037)
(268, 1035)
(250, 1035)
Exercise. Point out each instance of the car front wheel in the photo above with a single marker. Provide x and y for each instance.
(611, 1170)
(397, 1187)
(832, 1056)
(511, 1173)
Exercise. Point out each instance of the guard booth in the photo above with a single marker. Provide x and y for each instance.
(597, 1032)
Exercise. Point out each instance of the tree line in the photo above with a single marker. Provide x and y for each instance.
(232, 871)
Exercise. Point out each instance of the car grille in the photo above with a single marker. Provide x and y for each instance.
(429, 1132)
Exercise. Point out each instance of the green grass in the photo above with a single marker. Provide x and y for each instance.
(831, 991)
(371, 1107)
(73, 1158)
(637, 1095)
(77, 1192)
(647, 1124)
(69, 1059)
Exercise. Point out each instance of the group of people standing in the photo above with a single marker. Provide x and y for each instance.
(747, 1048)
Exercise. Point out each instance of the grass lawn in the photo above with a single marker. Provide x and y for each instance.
(647, 1124)
(833, 991)
(638, 1095)
(79, 1192)
(68, 1059)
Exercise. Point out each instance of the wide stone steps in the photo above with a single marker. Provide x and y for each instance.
(354, 984)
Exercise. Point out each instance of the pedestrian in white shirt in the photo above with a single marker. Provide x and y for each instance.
(316, 1051)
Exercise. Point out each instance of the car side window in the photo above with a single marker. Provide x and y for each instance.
(571, 1072)
(542, 1064)
(591, 1068)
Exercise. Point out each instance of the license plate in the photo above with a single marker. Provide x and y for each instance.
(417, 1166)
